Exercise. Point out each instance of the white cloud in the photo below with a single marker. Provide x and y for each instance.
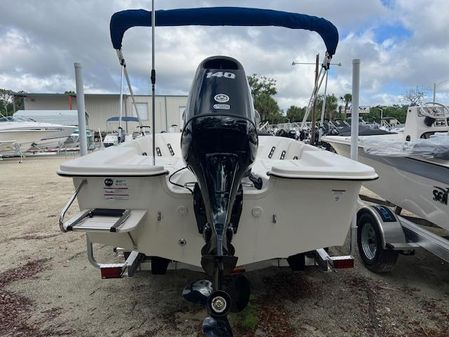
(42, 39)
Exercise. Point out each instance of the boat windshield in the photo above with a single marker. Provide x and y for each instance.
(15, 119)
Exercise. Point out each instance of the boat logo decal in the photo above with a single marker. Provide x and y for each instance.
(116, 189)
(221, 98)
(108, 182)
(219, 74)
(222, 106)
(385, 213)
(440, 194)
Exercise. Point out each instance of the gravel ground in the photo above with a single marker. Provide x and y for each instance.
(48, 288)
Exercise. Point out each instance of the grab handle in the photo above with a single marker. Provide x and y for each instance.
(68, 204)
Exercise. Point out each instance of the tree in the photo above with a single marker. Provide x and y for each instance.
(374, 114)
(263, 89)
(262, 85)
(10, 101)
(414, 96)
(268, 109)
(295, 114)
(331, 106)
(347, 99)
(19, 101)
(395, 111)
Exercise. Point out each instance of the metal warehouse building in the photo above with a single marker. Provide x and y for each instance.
(100, 107)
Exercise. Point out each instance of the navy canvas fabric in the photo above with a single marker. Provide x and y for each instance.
(222, 16)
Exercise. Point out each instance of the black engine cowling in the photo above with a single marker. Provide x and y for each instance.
(219, 142)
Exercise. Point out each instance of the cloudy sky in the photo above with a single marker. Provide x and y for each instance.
(402, 44)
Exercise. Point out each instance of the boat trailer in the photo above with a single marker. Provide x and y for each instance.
(382, 235)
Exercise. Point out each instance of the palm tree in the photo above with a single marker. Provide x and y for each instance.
(347, 99)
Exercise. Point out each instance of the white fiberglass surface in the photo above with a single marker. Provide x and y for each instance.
(279, 156)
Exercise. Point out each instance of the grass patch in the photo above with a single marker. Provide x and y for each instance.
(247, 319)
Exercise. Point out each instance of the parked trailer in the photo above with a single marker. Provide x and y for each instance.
(383, 234)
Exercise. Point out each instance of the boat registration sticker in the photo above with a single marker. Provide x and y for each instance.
(116, 189)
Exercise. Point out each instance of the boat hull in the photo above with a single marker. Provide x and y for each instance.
(415, 184)
(27, 133)
(304, 203)
(309, 217)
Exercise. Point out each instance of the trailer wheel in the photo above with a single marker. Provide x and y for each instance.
(369, 242)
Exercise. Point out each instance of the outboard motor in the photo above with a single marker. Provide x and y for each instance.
(219, 144)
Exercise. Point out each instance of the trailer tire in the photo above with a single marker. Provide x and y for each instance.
(369, 242)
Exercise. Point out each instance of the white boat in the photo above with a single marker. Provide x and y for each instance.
(413, 165)
(61, 117)
(73, 141)
(120, 136)
(217, 195)
(301, 195)
(24, 132)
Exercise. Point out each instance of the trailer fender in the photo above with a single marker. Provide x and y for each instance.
(392, 234)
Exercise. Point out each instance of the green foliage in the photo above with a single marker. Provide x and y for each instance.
(263, 89)
(331, 106)
(346, 99)
(268, 109)
(9, 99)
(295, 114)
(262, 85)
(247, 319)
(395, 111)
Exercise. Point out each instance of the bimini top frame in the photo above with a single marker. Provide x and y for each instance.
(220, 16)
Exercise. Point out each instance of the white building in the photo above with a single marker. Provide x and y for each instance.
(100, 107)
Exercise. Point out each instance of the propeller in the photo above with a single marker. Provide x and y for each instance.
(198, 292)
(217, 327)
(233, 298)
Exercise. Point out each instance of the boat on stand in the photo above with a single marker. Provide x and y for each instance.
(216, 197)
(18, 134)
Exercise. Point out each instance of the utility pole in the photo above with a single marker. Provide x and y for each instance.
(434, 92)
(435, 89)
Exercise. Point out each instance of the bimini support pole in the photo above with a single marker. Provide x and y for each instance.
(153, 82)
(323, 73)
(355, 136)
(121, 137)
(323, 110)
(125, 72)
